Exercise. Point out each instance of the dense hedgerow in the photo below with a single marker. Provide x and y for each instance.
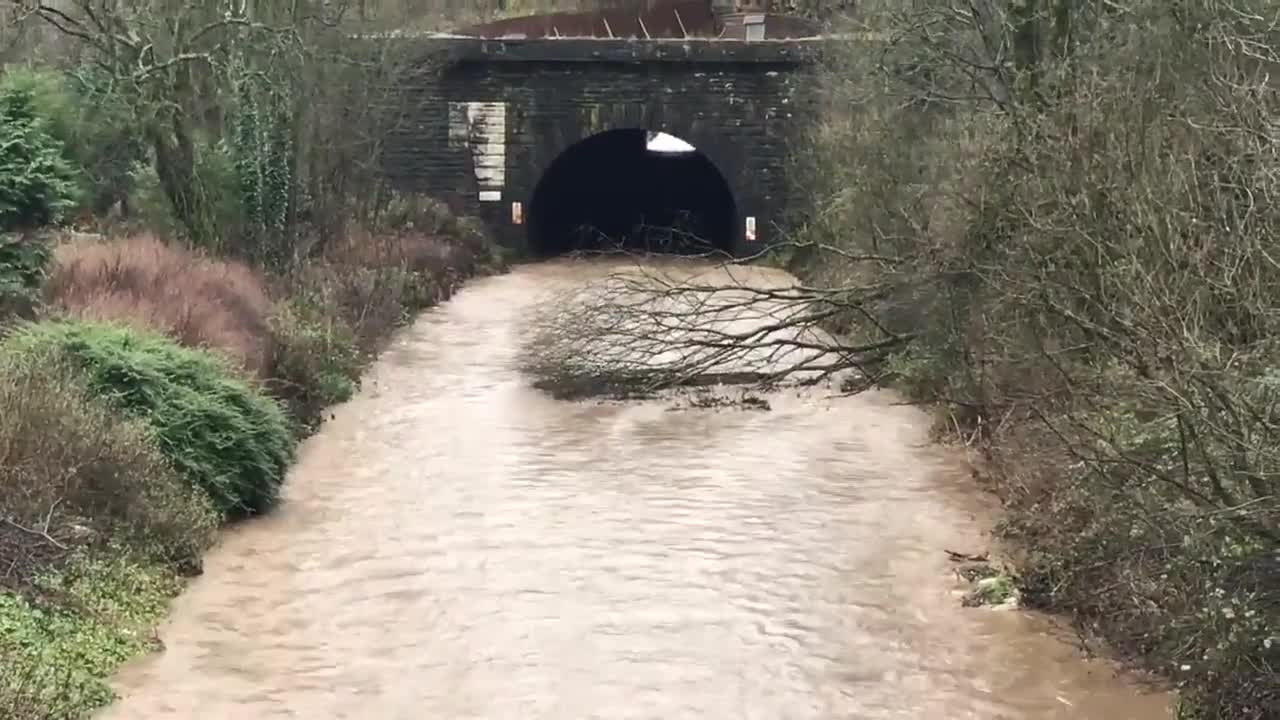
(83, 111)
(24, 259)
(216, 429)
(316, 362)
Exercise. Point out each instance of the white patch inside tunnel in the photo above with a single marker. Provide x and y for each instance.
(661, 142)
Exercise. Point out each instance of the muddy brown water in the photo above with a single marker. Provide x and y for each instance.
(455, 544)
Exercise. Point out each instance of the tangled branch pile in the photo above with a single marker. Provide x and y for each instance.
(641, 329)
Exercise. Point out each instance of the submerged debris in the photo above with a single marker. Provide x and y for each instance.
(990, 584)
(998, 591)
(707, 399)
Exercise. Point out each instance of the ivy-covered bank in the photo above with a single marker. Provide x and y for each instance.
(179, 304)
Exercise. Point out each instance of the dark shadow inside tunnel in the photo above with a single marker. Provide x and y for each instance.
(613, 192)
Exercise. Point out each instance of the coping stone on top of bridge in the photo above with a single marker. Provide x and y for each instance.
(658, 24)
(463, 48)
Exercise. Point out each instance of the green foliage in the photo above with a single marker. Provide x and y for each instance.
(37, 184)
(151, 208)
(49, 97)
(83, 471)
(23, 262)
(260, 143)
(220, 219)
(222, 434)
(218, 178)
(993, 590)
(317, 361)
(94, 120)
(219, 215)
(55, 661)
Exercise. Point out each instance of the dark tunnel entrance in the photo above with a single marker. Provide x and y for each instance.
(623, 190)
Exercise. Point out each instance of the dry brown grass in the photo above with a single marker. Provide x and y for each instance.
(140, 281)
(374, 282)
(414, 252)
(374, 279)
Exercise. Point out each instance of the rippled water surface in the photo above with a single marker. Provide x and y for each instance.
(457, 545)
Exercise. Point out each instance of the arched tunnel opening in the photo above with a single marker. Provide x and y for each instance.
(631, 190)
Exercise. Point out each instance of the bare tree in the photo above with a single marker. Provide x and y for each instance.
(12, 23)
(164, 60)
(650, 326)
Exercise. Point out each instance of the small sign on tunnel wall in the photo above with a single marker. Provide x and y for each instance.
(517, 213)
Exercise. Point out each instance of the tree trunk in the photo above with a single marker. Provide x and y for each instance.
(176, 168)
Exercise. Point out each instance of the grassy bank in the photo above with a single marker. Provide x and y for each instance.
(1071, 209)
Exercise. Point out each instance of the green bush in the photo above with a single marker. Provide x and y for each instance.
(227, 438)
(316, 363)
(72, 465)
(93, 120)
(221, 215)
(219, 182)
(24, 260)
(37, 184)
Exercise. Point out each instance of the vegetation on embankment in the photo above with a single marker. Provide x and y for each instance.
(156, 393)
(1071, 208)
(156, 372)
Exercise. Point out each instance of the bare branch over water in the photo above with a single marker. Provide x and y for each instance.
(646, 327)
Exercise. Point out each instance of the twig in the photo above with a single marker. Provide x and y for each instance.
(37, 533)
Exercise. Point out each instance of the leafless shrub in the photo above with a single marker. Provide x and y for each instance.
(1078, 201)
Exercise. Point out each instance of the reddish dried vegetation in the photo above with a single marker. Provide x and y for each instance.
(414, 252)
(143, 282)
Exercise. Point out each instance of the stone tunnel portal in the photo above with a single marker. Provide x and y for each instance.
(623, 190)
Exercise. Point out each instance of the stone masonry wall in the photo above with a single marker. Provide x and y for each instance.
(483, 119)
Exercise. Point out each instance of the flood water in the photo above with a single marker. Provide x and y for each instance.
(455, 545)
